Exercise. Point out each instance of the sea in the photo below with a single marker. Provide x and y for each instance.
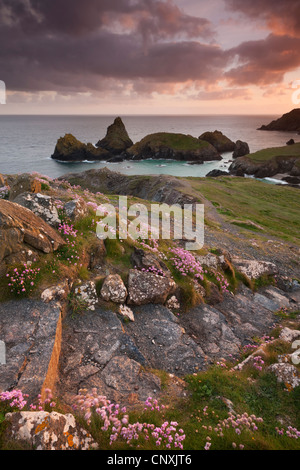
(27, 142)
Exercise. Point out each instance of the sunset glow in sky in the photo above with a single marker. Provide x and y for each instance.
(149, 56)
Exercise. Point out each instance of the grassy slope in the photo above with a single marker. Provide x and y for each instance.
(275, 208)
(268, 153)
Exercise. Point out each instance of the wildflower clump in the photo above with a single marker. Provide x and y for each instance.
(186, 264)
(116, 421)
(4, 192)
(22, 281)
(69, 252)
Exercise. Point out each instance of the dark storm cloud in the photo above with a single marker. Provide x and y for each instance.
(75, 17)
(71, 44)
(281, 16)
(79, 45)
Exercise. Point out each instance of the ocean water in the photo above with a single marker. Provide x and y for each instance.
(27, 142)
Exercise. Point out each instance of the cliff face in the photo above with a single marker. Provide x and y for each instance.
(289, 122)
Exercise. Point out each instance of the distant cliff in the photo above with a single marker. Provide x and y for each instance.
(289, 122)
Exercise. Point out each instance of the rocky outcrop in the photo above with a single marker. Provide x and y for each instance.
(267, 168)
(164, 145)
(219, 141)
(21, 230)
(158, 188)
(69, 149)
(289, 122)
(117, 139)
(41, 205)
(113, 289)
(241, 149)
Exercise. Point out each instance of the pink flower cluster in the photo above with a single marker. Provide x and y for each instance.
(152, 404)
(67, 230)
(241, 423)
(185, 262)
(153, 270)
(4, 190)
(17, 399)
(22, 282)
(69, 253)
(291, 432)
(224, 284)
(258, 362)
(116, 421)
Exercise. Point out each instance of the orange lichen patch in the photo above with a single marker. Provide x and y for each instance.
(36, 186)
(70, 440)
(43, 425)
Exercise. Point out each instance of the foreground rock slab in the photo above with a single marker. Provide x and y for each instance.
(48, 431)
(31, 331)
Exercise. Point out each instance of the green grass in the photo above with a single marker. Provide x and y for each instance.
(172, 140)
(269, 153)
(275, 208)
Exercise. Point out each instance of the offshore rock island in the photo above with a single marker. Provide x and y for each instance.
(117, 146)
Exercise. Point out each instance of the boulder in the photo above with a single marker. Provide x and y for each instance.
(164, 145)
(19, 227)
(241, 149)
(116, 140)
(41, 430)
(290, 142)
(75, 209)
(88, 294)
(254, 269)
(145, 288)
(41, 205)
(70, 149)
(219, 141)
(113, 289)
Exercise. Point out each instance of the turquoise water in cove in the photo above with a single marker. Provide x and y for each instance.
(27, 142)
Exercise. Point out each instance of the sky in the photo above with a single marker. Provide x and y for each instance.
(173, 57)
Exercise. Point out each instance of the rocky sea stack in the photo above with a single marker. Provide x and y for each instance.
(117, 139)
(70, 149)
